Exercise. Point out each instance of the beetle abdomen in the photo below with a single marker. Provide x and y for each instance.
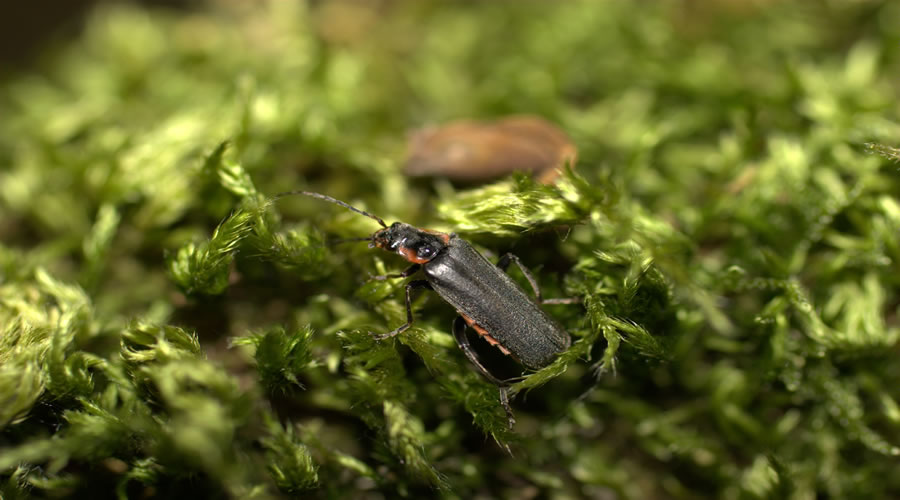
(490, 299)
(485, 335)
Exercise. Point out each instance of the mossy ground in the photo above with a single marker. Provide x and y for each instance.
(733, 228)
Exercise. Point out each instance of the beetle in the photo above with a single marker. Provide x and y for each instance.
(485, 297)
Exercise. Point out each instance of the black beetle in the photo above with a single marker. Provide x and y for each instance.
(487, 300)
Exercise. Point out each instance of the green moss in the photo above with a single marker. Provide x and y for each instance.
(732, 228)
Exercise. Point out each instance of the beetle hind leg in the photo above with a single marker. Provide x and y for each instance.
(503, 264)
(459, 332)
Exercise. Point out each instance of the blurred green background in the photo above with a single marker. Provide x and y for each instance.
(732, 228)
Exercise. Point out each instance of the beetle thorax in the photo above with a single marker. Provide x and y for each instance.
(413, 244)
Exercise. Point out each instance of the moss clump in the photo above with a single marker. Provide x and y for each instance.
(733, 230)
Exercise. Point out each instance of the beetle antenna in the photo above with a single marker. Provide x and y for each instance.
(332, 200)
(347, 240)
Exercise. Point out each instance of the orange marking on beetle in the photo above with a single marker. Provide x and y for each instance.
(443, 236)
(483, 333)
(493, 342)
(410, 255)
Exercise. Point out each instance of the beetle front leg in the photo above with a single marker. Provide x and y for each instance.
(409, 271)
(459, 332)
(409, 317)
(503, 264)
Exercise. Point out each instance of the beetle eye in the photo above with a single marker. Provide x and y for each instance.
(425, 252)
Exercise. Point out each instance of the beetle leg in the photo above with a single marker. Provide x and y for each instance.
(503, 264)
(409, 317)
(459, 332)
(409, 271)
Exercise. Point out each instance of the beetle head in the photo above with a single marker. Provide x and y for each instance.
(413, 244)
